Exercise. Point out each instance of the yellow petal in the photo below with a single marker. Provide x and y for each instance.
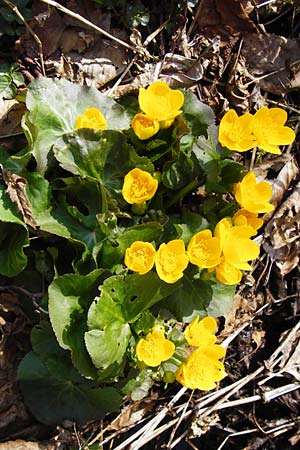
(139, 186)
(155, 348)
(91, 118)
(139, 257)
(171, 260)
(160, 102)
(201, 333)
(236, 133)
(144, 127)
(227, 274)
(204, 250)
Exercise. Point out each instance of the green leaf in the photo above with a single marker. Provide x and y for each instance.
(113, 253)
(125, 297)
(53, 398)
(190, 300)
(104, 156)
(180, 172)
(54, 105)
(222, 299)
(70, 297)
(13, 238)
(189, 223)
(107, 347)
(197, 115)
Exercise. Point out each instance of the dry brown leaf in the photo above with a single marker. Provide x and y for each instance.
(258, 336)
(283, 231)
(16, 190)
(225, 17)
(272, 61)
(11, 113)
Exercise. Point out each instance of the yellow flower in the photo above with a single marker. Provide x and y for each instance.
(91, 118)
(200, 333)
(236, 133)
(269, 129)
(171, 260)
(204, 250)
(202, 369)
(155, 348)
(244, 217)
(160, 102)
(226, 273)
(236, 246)
(144, 127)
(139, 257)
(253, 196)
(139, 186)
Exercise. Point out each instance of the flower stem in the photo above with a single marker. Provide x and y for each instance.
(182, 192)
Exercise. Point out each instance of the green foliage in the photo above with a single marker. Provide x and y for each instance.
(10, 24)
(14, 237)
(98, 308)
(10, 80)
(53, 389)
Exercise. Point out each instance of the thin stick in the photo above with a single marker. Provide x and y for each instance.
(30, 30)
(92, 25)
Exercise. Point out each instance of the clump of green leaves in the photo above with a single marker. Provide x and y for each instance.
(10, 24)
(10, 79)
(98, 309)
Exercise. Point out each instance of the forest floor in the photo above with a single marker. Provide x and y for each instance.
(237, 54)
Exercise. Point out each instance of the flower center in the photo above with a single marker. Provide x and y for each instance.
(201, 251)
(169, 262)
(141, 257)
(138, 189)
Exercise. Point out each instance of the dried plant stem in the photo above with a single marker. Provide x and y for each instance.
(14, 8)
(92, 25)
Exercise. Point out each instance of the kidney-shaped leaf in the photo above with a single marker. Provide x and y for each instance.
(54, 105)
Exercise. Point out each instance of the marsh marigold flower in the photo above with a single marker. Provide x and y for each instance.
(144, 127)
(139, 186)
(200, 333)
(202, 369)
(237, 247)
(171, 260)
(155, 348)
(139, 257)
(204, 250)
(91, 118)
(253, 196)
(244, 217)
(236, 133)
(160, 102)
(226, 273)
(269, 129)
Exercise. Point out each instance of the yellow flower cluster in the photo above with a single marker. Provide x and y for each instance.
(155, 348)
(202, 369)
(265, 129)
(227, 251)
(160, 105)
(170, 259)
(91, 118)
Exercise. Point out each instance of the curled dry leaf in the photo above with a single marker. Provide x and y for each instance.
(11, 113)
(283, 231)
(16, 190)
